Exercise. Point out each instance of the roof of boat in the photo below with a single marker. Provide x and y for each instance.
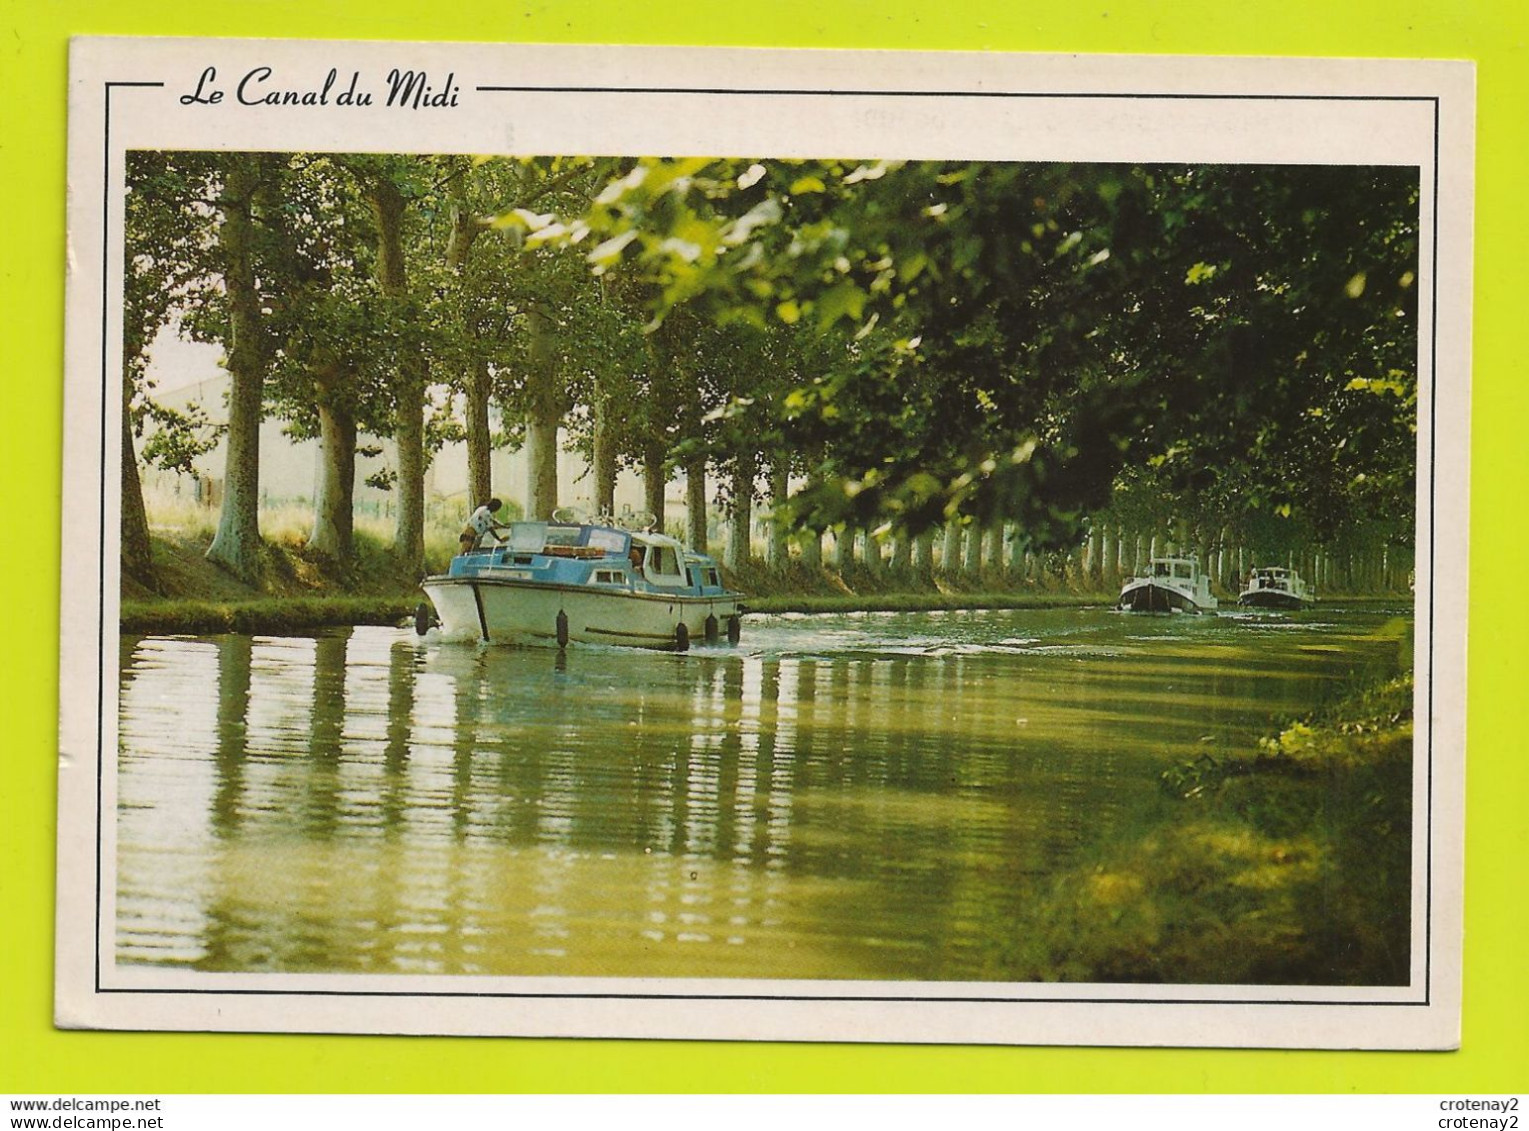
(652, 538)
(641, 537)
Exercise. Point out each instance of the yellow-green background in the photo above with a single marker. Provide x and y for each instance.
(36, 1058)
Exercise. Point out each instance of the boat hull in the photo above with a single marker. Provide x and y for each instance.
(1270, 599)
(506, 611)
(1147, 596)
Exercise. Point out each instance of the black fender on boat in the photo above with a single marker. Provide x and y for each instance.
(681, 638)
(562, 629)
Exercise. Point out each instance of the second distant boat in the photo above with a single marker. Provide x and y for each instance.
(1275, 587)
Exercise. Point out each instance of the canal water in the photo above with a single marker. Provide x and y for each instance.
(843, 796)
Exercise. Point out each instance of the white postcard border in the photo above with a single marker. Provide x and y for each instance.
(150, 94)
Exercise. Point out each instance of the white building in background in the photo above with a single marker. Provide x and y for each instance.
(187, 374)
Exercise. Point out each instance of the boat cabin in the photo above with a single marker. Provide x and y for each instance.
(572, 553)
(1270, 577)
(703, 574)
(1181, 568)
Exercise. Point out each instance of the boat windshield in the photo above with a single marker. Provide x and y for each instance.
(604, 538)
(528, 537)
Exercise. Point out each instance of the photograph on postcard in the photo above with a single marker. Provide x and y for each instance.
(859, 571)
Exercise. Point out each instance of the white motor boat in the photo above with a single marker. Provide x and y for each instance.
(1171, 585)
(1275, 587)
(556, 582)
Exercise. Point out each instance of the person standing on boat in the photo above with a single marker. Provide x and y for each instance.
(481, 522)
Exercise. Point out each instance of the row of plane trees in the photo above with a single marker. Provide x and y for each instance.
(913, 353)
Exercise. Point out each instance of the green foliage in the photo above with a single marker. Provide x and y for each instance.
(180, 436)
(1061, 323)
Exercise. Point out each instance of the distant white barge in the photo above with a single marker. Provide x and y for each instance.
(1275, 587)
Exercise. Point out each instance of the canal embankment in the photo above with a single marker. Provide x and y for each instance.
(299, 590)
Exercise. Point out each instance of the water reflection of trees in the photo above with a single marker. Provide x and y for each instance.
(423, 805)
(235, 658)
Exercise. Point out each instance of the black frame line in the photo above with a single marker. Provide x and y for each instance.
(1433, 542)
(107, 196)
(790, 92)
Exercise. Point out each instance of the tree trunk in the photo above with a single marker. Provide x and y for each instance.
(778, 554)
(695, 505)
(923, 554)
(654, 480)
(409, 385)
(844, 548)
(870, 555)
(972, 537)
(465, 230)
(603, 458)
(409, 531)
(902, 555)
(541, 461)
(333, 513)
(950, 556)
(812, 549)
(480, 445)
(741, 512)
(236, 546)
(137, 557)
(993, 555)
(544, 413)
(810, 540)
(1016, 553)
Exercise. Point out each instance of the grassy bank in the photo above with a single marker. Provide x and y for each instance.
(296, 589)
(1291, 865)
(269, 615)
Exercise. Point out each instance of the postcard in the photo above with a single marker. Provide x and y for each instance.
(764, 545)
